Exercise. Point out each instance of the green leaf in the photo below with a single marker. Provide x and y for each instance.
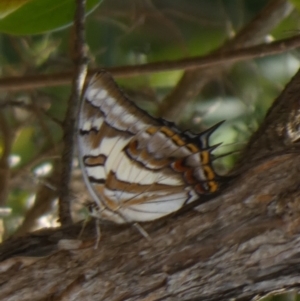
(9, 6)
(38, 16)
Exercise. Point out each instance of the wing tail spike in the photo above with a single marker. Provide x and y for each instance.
(203, 137)
(213, 147)
(210, 130)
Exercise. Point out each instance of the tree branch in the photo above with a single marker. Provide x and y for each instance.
(242, 243)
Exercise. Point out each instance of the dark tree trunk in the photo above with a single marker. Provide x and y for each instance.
(244, 242)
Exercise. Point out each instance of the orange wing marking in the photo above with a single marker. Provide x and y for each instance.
(204, 157)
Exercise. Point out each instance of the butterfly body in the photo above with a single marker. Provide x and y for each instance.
(138, 168)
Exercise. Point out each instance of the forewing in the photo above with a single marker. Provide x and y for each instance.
(137, 168)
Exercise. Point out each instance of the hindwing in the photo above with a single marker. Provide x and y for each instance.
(138, 168)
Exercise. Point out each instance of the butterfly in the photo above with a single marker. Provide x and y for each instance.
(138, 168)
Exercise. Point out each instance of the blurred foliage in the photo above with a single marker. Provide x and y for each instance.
(9, 6)
(38, 16)
(296, 3)
(122, 33)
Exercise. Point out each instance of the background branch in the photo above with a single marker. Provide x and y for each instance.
(7, 138)
(193, 81)
(216, 58)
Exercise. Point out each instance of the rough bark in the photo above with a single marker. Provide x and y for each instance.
(240, 244)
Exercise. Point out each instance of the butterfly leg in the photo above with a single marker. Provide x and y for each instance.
(98, 233)
(83, 227)
(137, 226)
(142, 231)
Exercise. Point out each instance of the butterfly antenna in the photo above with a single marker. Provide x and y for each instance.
(83, 227)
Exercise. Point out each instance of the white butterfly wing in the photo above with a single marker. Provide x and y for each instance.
(138, 168)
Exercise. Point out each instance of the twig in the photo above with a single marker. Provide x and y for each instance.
(24, 170)
(80, 62)
(262, 24)
(40, 116)
(4, 164)
(43, 201)
(62, 78)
